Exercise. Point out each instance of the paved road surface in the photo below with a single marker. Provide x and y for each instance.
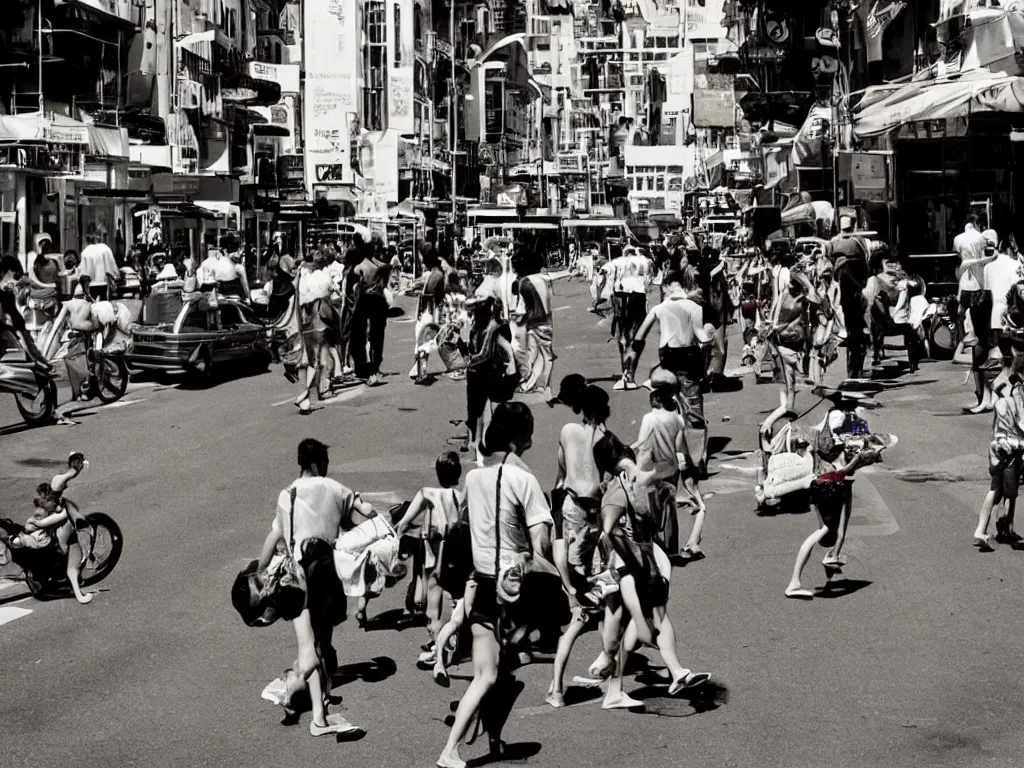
(915, 666)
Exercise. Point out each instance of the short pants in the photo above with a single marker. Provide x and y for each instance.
(1006, 477)
(630, 310)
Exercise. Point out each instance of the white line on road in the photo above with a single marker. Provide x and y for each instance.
(340, 398)
(9, 613)
(562, 309)
(118, 404)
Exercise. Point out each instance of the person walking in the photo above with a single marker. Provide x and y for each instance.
(370, 318)
(682, 333)
(976, 251)
(98, 264)
(535, 296)
(510, 525)
(851, 273)
(311, 513)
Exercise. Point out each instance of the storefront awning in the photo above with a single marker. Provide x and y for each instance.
(883, 109)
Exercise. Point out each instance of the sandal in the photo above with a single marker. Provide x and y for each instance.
(688, 682)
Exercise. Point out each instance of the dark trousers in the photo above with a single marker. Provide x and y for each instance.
(369, 322)
(98, 292)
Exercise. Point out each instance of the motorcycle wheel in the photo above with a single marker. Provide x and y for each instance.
(38, 411)
(105, 551)
(112, 379)
(941, 338)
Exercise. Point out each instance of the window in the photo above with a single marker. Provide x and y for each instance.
(398, 35)
(375, 69)
(196, 320)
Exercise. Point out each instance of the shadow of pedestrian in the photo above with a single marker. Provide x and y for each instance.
(705, 698)
(395, 619)
(376, 670)
(841, 588)
(519, 752)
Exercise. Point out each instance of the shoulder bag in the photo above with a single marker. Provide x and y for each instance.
(456, 557)
(287, 583)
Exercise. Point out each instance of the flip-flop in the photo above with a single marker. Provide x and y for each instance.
(624, 703)
(688, 682)
(799, 594)
(982, 545)
(441, 678)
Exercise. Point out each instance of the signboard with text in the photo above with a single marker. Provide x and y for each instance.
(330, 90)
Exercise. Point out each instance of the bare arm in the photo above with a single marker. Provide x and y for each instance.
(698, 326)
(416, 508)
(58, 518)
(540, 535)
(560, 473)
(269, 548)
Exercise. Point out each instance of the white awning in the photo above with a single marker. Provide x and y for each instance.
(883, 109)
(199, 44)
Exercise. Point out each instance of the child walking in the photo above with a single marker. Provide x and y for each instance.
(431, 514)
(662, 445)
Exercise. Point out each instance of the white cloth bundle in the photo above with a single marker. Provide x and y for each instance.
(371, 543)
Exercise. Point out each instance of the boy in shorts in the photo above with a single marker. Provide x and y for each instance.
(1004, 458)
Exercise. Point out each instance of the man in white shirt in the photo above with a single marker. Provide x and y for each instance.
(1001, 276)
(628, 274)
(976, 302)
(682, 332)
(97, 262)
(315, 509)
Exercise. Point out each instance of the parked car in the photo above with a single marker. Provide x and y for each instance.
(175, 335)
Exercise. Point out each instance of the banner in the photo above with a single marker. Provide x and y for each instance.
(330, 91)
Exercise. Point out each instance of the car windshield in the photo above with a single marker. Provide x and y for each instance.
(161, 309)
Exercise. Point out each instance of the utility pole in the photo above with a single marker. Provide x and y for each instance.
(453, 139)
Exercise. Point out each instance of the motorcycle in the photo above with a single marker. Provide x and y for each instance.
(45, 570)
(788, 457)
(34, 388)
(108, 371)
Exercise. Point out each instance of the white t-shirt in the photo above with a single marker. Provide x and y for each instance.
(680, 322)
(314, 285)
(519, 488)
(323, 507)
(97, 262)
(634, 276)
(969, 245)
(1000, 276)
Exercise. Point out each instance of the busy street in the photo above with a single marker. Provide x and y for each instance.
(906, 666)
(449, 383)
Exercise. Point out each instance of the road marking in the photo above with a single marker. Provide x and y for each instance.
(9, 613)
(382, 499)
(118, 404)
(339, 398)
(562, 309)
(868, 503)
(135, 385)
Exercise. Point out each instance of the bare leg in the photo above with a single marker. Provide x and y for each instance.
(565, 644)
(644, 632)
(308, 666)
(667, 644)
(485, 675)
(615, 697)
(795, 588)
(74, 569)
(693, 543)
(446, 633)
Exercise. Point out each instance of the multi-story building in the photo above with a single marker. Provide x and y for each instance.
(620, 111)
(63, 148)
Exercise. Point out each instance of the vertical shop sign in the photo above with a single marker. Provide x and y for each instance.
(330, 90)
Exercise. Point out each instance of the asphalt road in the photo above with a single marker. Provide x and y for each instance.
(914, 665)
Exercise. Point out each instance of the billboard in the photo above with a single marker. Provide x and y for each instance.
(331, 67)
(714, 98)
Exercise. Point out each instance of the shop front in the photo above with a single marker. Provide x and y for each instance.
(940, 151)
